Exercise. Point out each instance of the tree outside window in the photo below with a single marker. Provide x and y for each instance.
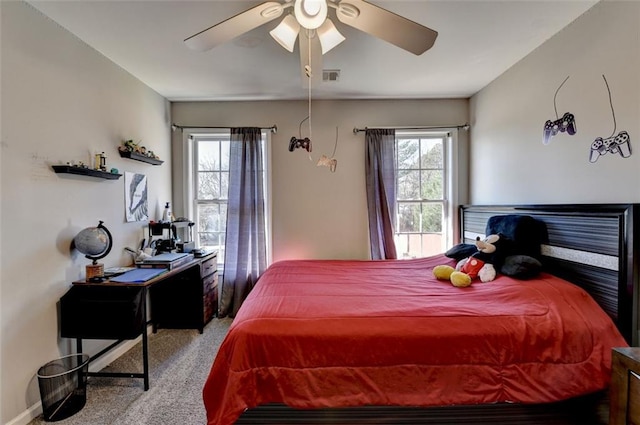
(212, 186)
(420, 194)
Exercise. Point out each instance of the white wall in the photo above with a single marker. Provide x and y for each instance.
(316, 213)
(509, 162)
(61, 101)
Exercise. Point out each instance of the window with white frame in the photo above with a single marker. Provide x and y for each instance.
(209, 187)
(423, 221)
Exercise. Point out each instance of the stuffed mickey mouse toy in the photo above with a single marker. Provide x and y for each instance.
(482, 264)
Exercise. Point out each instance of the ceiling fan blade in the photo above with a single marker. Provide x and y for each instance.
(234, 26)
(386, 25)
(313, 61)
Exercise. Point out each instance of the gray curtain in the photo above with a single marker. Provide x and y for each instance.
(381, 191)
(245, 240)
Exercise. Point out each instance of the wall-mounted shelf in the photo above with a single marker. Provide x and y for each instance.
(139, 157)
(81, 171)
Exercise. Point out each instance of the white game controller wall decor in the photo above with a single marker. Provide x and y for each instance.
(332, 162)
(325, 161)
(619, 144)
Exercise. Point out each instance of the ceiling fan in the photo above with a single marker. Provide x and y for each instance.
(316, 33)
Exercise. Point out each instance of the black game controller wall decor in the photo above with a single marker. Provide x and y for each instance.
(295, 143)
(551, 128)
(565, 124)
(620, 143)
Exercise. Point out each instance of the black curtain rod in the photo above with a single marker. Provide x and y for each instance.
(174, 127)
(465, 127)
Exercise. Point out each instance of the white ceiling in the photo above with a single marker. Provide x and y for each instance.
(478, 40)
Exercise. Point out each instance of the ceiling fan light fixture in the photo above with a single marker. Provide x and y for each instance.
(329, 36)
(286, 32)
(310, 13)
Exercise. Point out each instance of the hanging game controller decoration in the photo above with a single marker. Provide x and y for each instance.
(295, 143)
(618, 144)
(565, 124)
(325, 161)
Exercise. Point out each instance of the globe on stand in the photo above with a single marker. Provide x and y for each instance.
(95, 243)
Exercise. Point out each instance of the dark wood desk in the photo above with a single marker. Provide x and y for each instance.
(185, 297)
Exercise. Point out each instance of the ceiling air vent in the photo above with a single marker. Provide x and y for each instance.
(330, 75)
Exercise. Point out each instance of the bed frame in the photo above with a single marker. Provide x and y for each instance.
(591, 245)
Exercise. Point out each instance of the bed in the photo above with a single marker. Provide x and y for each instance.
(385, 342)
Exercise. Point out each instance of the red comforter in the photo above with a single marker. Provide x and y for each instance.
(351, 333)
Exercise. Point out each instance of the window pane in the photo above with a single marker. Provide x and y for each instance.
(209, 155)
(431, 217)
(208, 218)
(402, 245)
(408, 153)
(432, 153)
(208, 185)
(432, 244)
(409, 217)
(212, 222)
(408, 184)
(432, 185)
(220, 248)
(223, 217)
(207, 239)
(408, 246)
(224, 185)
(224, 160)
(420, 193)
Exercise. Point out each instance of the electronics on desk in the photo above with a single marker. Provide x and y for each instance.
(201, 252)
(185, 246)
(165, 245)
(176, 235)
(167, 260)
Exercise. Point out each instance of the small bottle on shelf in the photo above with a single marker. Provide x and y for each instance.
(103, 162)
(166, 217)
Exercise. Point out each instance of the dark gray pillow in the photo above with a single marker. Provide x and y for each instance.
(526, 232)
(461, 251)
(521, 266)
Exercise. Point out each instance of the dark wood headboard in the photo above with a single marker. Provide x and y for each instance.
(590, 245)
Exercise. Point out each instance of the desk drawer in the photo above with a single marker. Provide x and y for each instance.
(210, 296)
(210, 282)
(209, 266)
(101, 312)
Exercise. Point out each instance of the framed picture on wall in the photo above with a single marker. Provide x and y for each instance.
(135, 197)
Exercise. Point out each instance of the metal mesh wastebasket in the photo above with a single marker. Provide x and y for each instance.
(63, 386)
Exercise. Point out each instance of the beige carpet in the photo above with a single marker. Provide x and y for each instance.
(179, 362)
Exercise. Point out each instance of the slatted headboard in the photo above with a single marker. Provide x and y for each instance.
(590, 245)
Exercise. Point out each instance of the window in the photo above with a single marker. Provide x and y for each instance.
(208, 188)
(422, 224)
(211, 187)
